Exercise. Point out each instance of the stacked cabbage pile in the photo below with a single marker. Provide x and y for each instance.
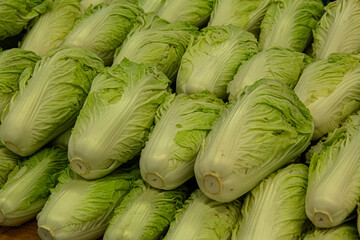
(181, 119)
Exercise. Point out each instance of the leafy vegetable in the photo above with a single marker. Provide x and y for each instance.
(204, 219)
(289, 24)
(338, 31)
(8, 161)
(263, 129)
(196, 13)
(211, 62)
(167, 161)
(62, 141)
(103, 28)
(116, 119)
(275, 209)
(330, 89)
(13, 63)
(157, 43)
(81, 209)
(334, 176)
(85, 4)
(151, 5)
(274, 63)
(16, 15)
(246, 14)
(51, 28)
(51, 101)
(342, 232)
(28, 186)
(144, 213)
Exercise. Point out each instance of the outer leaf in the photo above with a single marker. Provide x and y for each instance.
(51, 28)
(157, 43)
(8, 162)
(196, 13)
(342, 232)
(81, 209)
(204, 219)
(274, 63)
(211, 62)
(334, 176)
(266, 114)
(115, 121)
(12, 64)
(167, 161)
(330, 89)
(275, 209)
(103, 29)
(338, 30)
(151, 5)
(16, 14)
(246, 14)
(38, 113)
(144, 213)
(289, 24)
(26, 191)
(62, 141)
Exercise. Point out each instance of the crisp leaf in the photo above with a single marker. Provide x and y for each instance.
(157, 43)
(267, 114)
(211, 62)
(116, 119)
(338, 31)
(175, 140)
(39, 113)
(289, 24)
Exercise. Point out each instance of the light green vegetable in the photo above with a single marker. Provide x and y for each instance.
(342, 232)
(13, 63)
(275, 209)
(50, 102)
(62, 141)
(196, 13)
(289, 24)
(274, 63)
(246, 14)
(167, 161)
(85, 4)
(28, 187)
(330, 89)
(263, 129)
(116, 119)
(144, 213)
(338, 30)
(103, 28)
(334, 176)
(81, 209)
(151, 5)
(211, 62)
(157, 43)
(8, 161)
(51, 28)
(204, 219)
(16, 15)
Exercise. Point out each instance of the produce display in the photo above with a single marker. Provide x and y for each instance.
(180, 119)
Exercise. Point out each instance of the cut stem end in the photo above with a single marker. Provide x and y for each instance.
(79, 166)
(46, 233)
(322, 219)
(155, 179)
(212, 183)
